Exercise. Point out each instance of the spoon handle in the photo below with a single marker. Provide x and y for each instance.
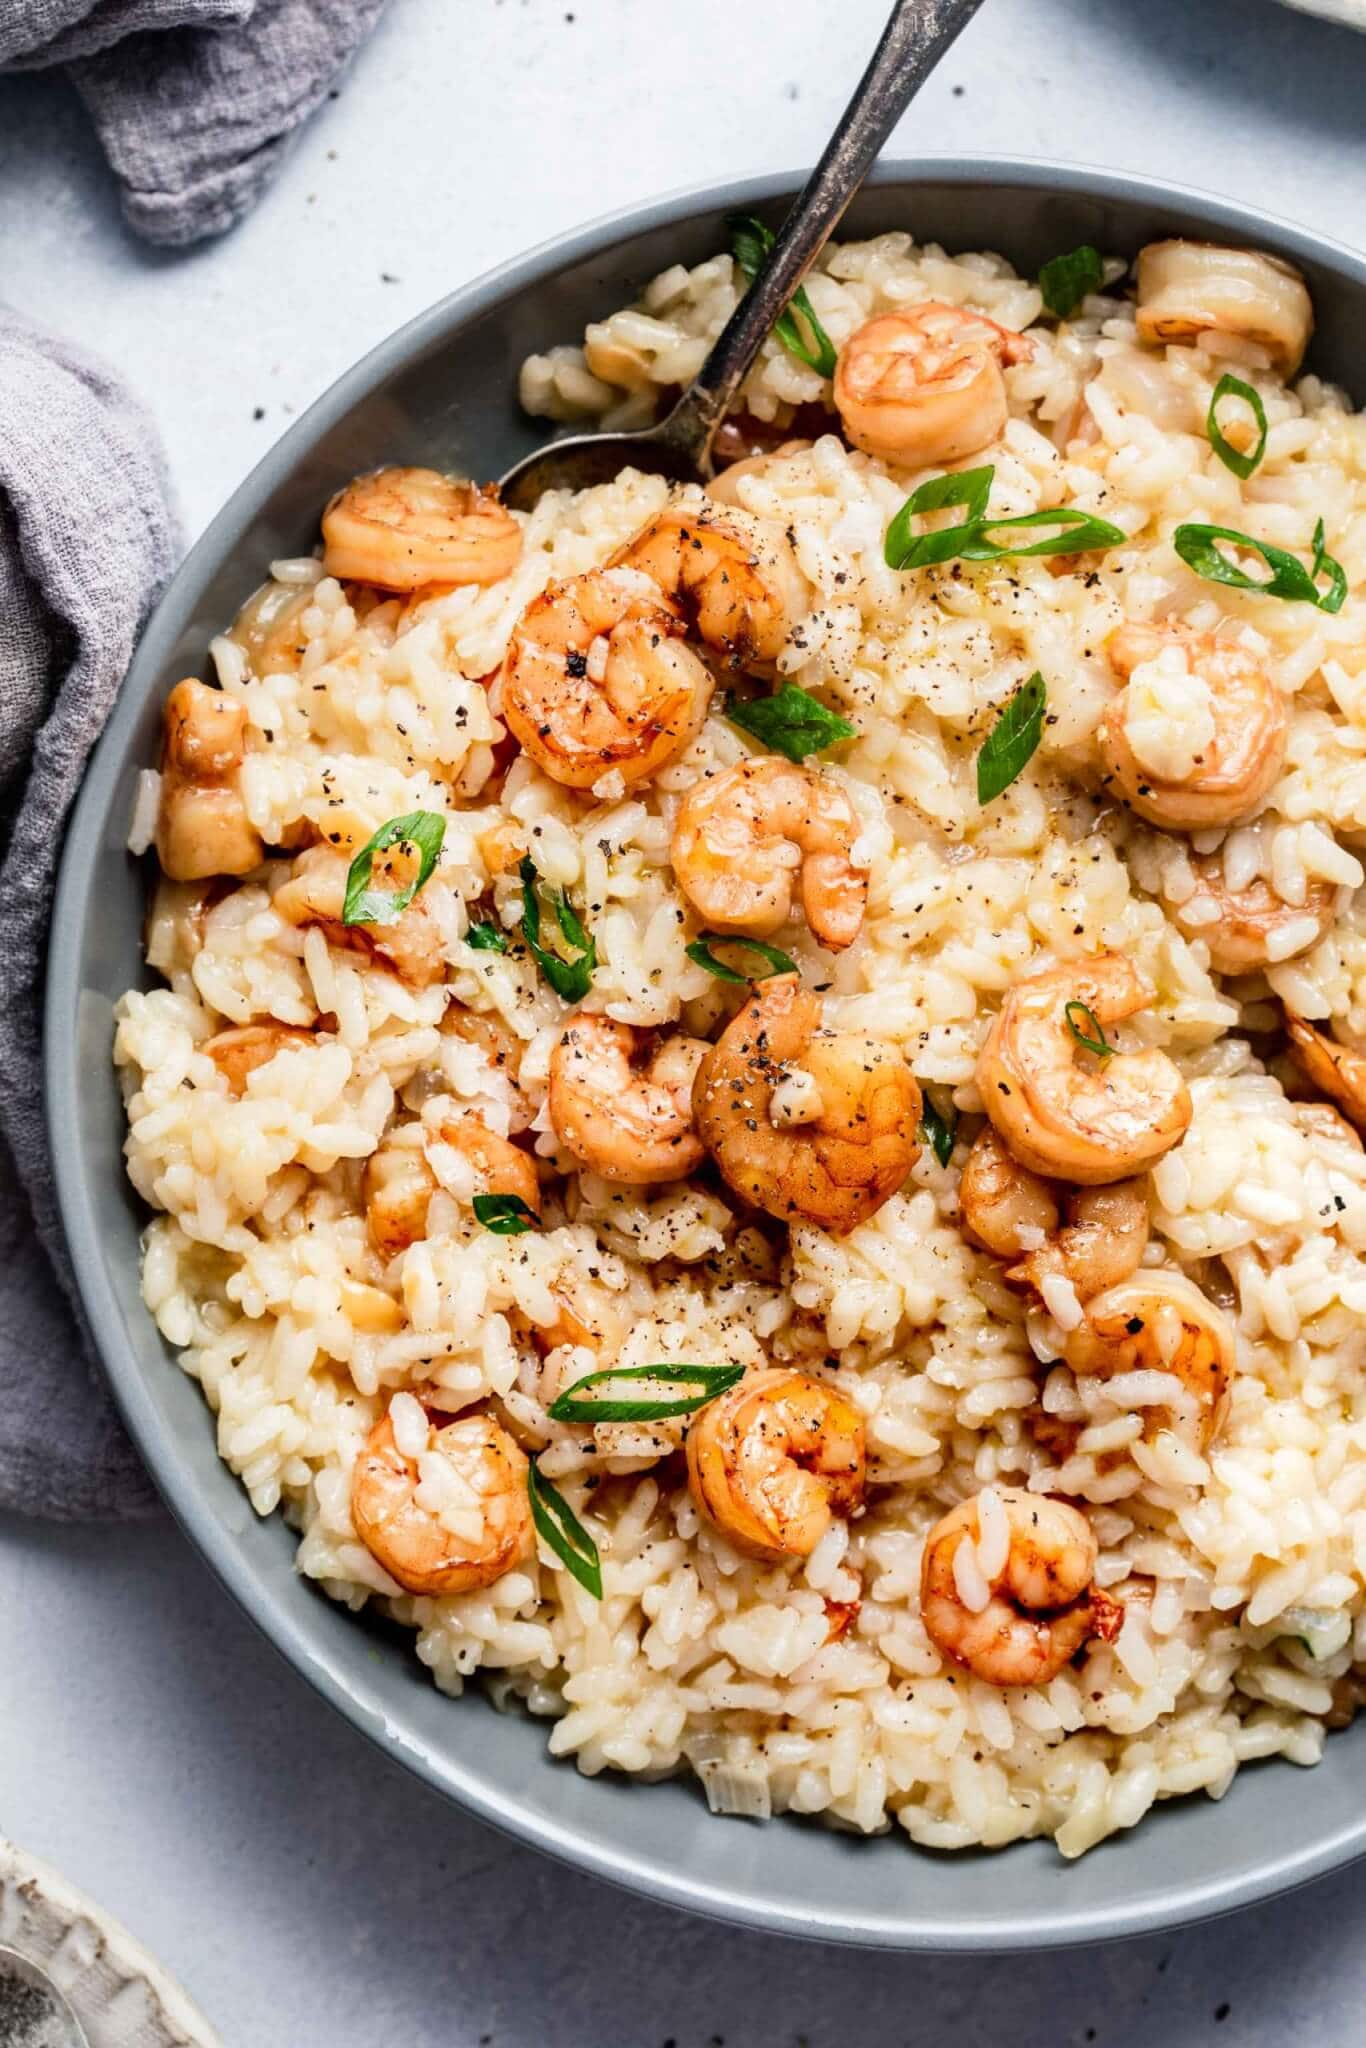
(913, 41)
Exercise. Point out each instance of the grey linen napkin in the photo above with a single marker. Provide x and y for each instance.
(87, 541)
(194, 101)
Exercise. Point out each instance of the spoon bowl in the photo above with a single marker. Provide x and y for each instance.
(680, 445)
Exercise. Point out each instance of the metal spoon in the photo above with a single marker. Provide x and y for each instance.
(679, 446)
(33, 2012)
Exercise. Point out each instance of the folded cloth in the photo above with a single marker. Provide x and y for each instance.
(87, 541)
(194, 101)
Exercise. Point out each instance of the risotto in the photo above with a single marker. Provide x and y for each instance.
(752, 1098)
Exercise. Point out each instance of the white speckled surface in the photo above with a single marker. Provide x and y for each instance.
(150, 1744)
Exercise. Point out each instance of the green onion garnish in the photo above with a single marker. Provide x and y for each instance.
(936, 1132)
(791, 722)
(972, 541)
(1090, 1032)
(1012, 740)
(750, 242)
(569, 978)
(505, 1215)
(486, 938)
(1241, 465)
(1196, 545)
(712, 1379)
(970, 488)
(558, 1525)
(700, 953)
(363, 905)
(1065, 280)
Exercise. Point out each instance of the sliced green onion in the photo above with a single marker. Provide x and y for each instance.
(936, 1132)
(1234, 387)
(1066, 280)
(750, 242)
(486, 938)
(1012, 740)
(363, 905)
(569, 978)
(970, 488)
(558, 1525)
(505, 1215)
(791, 722)
(700, 953)
(972, 541)
(1332, 599)
(712, 1379)
(1090, 1032)
(1081, 531)
(1196, 545)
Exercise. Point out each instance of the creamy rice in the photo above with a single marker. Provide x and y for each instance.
(1253, 1555)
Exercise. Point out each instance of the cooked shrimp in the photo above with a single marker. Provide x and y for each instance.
(1062, 1111)
(454, 1516)
(857, 1140)
(414, 945)
(1186, 289)
(628, 1122)
(398, 1184)
(396, 1188)
(925, 385)
(723, 487)
(1247, 929)
(269, 627)
(1019, 1602)
(1159, 1321)
(742, 838)
(239, 1052)
(1337, 1069)
(1101, 1243)
(402, 528)
(202, 823)
(1198, 737)
(598, 677)
(734, 577)
(774, 1461)
(1005, 1207)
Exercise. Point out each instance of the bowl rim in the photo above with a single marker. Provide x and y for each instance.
(1274, 1869)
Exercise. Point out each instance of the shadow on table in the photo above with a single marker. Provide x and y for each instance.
(1240, 62)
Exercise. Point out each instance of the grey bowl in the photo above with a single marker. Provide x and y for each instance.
(442, 391)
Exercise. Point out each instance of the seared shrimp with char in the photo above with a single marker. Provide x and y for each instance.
(623, 1106)
(1019, 1216)
(774, 1461)
(743, 838)
(398, 1183)
(734, 577)
(1007, 1586)
(599, 678)
(1160, 1321)
(414, 944)
(810, 1125)
(1064, 1111)
(447, 1510)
